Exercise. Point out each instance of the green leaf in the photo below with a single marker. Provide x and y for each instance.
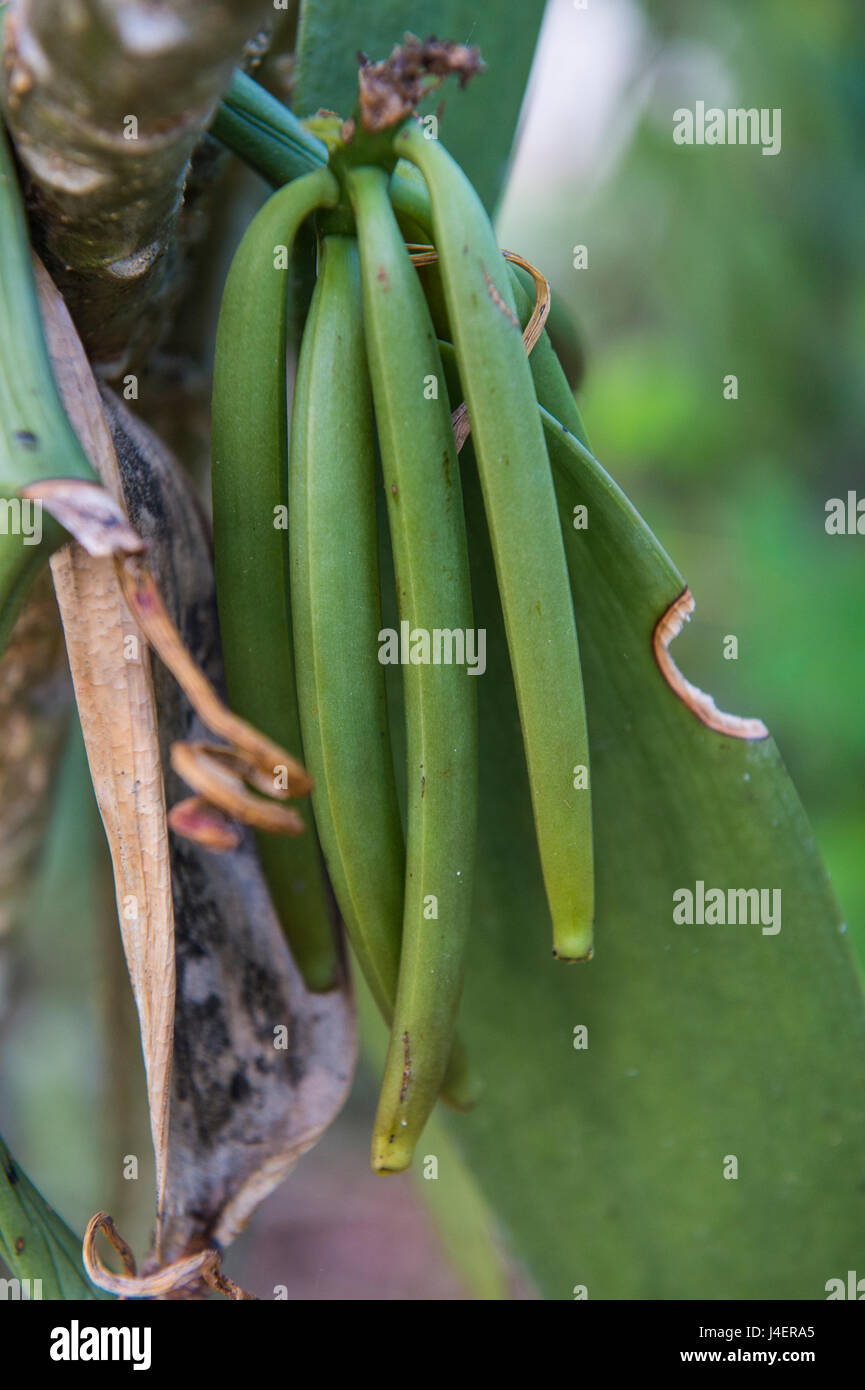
(479, 122)
(704, 1042)
(36, 439)
(35, 1242)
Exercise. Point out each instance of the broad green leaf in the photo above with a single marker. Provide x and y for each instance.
(705, 1043)
(35, 1242)
(479, 122)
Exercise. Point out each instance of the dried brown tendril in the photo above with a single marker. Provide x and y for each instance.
(221, 776)
(183, 1278)
(427, 255)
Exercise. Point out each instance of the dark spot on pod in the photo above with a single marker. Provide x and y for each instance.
(26, 439)
(19, 1245)
(11, 1175)
(393, 488)
(406, 1070)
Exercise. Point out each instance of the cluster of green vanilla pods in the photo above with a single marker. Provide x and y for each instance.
(383, 357)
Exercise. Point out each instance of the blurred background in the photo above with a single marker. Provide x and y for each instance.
(700, 264)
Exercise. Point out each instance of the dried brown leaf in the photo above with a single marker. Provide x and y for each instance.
(88, 513)
(110, 667)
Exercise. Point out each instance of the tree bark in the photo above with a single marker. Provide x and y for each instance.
(105, 101)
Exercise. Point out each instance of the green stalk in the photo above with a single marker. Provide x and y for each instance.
(36, 439)
(265, 134)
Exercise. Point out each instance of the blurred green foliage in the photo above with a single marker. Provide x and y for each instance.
(705, 261)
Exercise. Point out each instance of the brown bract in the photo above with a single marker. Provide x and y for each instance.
(391, 90)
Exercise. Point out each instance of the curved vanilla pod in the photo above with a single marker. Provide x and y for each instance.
(250, 497)
(427, 529)
(522, 514)
(336, 618)
(36, 439)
